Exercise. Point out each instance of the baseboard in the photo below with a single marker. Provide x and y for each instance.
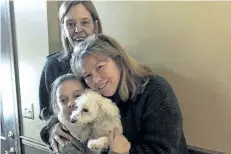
(34, 143)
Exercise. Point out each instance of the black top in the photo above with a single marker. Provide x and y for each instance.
(53, 68)
(152, 122)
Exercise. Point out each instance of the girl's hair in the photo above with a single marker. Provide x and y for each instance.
(59, 81)
(134, 76)
(64, 8)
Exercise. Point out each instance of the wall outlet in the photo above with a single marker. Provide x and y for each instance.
(28, 112)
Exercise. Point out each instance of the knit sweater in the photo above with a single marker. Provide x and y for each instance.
(152, 121)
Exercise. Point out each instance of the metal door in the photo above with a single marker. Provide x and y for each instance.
(9, 137)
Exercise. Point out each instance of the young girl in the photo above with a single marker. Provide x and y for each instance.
(65, 90)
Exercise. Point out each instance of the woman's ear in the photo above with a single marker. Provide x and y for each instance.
(96, 27)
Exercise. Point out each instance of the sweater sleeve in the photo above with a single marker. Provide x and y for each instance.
(162, 123)
(44, 133)
(49, 74)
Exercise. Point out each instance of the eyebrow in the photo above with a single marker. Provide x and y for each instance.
(72, 19)
(77, 91)
(60, 96)
(84, 73)
(85, 18)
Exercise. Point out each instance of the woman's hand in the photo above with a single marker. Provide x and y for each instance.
(57, 135)
(118, 143)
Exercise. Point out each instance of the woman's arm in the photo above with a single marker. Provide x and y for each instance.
(49, 74)
(162, 123)
(165, 135)
(43, 95)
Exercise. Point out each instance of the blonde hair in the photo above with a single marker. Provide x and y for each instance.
(64, 8)
(134, 76)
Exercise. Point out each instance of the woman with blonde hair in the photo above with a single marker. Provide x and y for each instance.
(78, 19)
(150, 114)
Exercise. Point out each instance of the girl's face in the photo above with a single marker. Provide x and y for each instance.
(66, 95)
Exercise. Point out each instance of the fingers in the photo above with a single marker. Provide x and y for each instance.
(65, 135)
(58, 139)
(116, 132)
(58, 131)
(54, 146)
(113, 134)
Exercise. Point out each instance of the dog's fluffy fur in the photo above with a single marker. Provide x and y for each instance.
(93, 118)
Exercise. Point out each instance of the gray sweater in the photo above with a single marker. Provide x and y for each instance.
(75, 147)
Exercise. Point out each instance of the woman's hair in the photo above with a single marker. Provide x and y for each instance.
(64, 8)
(134, 76)
(55, 85)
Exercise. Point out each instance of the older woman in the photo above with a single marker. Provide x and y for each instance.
(78, 19)
(151, 117)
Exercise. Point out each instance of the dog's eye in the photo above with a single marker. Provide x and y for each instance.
(85, 110)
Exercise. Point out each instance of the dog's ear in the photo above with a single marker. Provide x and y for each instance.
(108, 108)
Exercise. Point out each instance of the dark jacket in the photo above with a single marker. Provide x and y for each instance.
(54, 67)
(152, 121)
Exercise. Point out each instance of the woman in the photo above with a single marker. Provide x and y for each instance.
(78, 19)
(150, 114)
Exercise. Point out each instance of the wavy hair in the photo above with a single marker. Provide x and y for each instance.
(134, 76)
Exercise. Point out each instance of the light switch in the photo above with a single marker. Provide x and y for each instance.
(28, 112)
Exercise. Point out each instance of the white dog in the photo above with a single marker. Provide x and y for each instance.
(92, 120)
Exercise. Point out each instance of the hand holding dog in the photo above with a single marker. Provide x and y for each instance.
(118, 143)
(57, 135)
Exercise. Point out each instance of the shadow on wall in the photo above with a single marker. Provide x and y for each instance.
(201, 108)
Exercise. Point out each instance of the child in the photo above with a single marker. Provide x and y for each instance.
(65, 90)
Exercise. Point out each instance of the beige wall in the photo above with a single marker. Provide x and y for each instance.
(37, 35)
(36, 38)
(32, 47)
(189, 44)
(55, 44)
(186, 42)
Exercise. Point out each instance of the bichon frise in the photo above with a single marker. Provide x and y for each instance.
(92, 119)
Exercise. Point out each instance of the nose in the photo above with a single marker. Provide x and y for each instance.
(73, 120)
(71, 104)
(97, 78)
(78, 28)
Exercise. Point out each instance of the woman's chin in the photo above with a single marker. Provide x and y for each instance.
(107, 93)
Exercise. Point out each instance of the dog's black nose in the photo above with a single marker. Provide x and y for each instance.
(73, 120)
